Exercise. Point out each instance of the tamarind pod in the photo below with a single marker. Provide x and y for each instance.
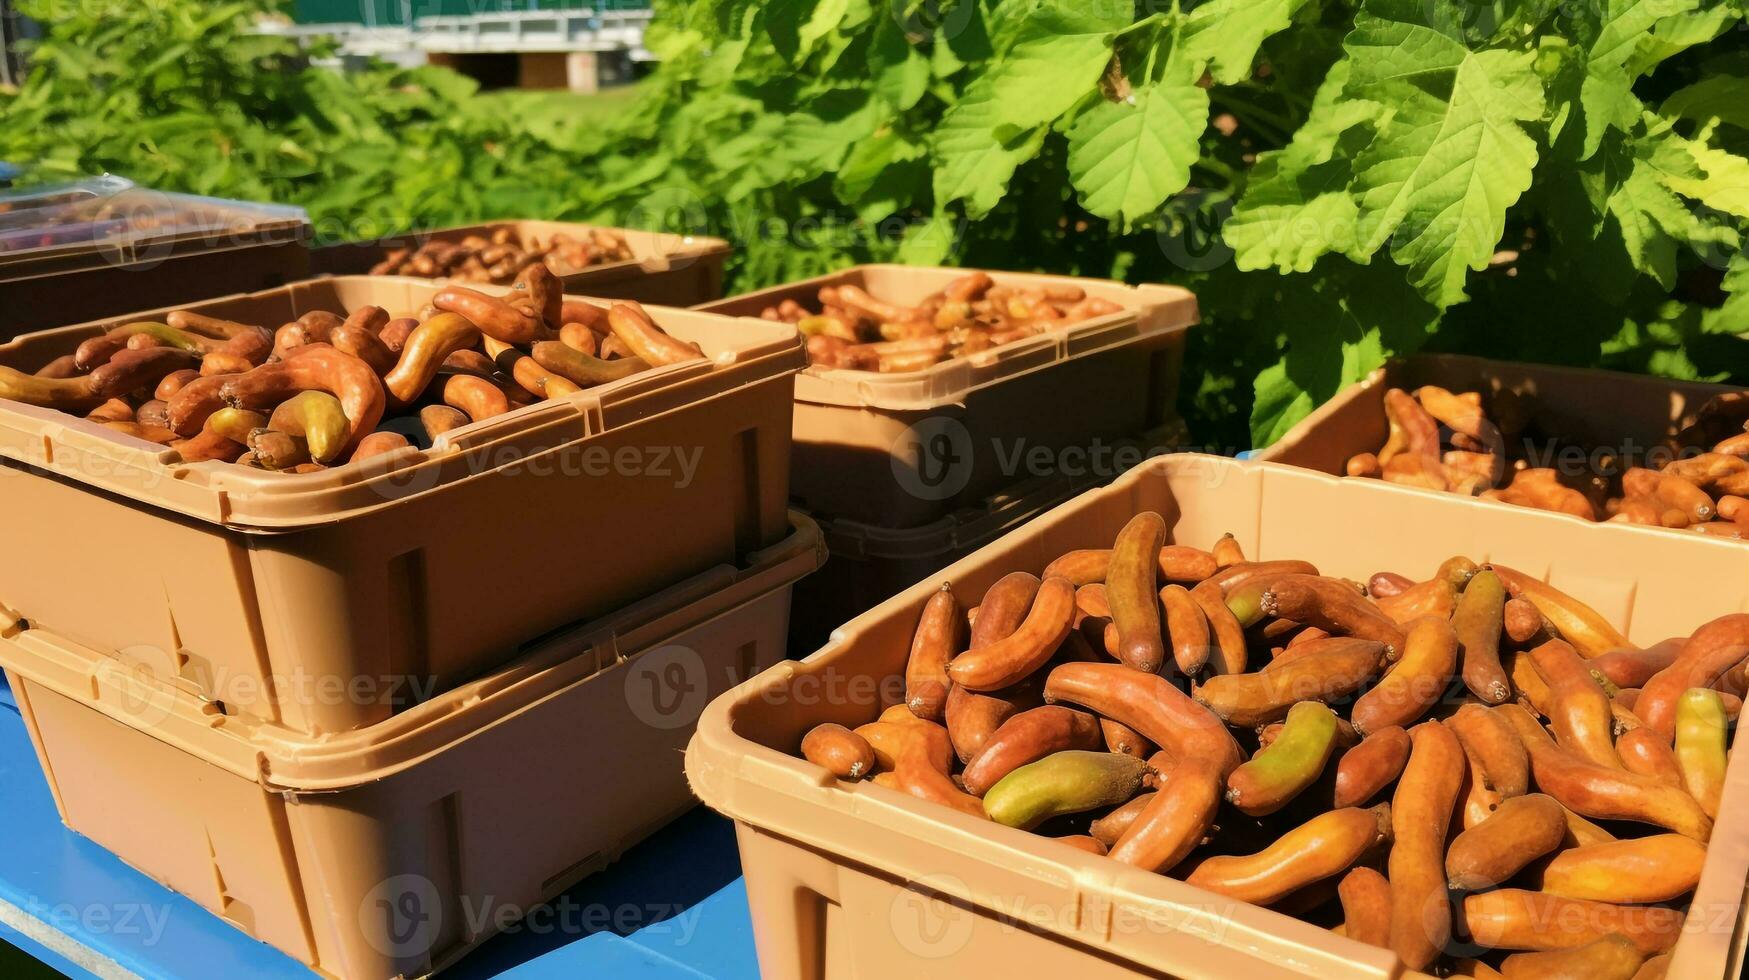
(211, 326)
(888, 735)
(1329, 669)
(219, 363)
(1231, 654)
(967, 287)
(859, 301)
(289, 337)
(579, 338)
(395, 333)
(1734, 682)
(839, 751)
(1713, 649)
(1435, 597)
(1513, 918)
(1109, 828)
(1612, 957)
(1523, 622)
(478, 398)
(371, 319)
(1700, 746)
(1028, 737)
(59, 369)
(1086, 566)
(973, 717)
(146, 333)
(1366, 906)
(1083, 842)
(377, 444)
(1288, 764)
(66, 394)
(1415, 683)
(1026, 649)
(1366, 769)
(150, 433)
(919, 776)
(1714, 472)
(318, 367)
(469, 361)
(1151, 705)
(1421, 811)
(1182, 563)
(96, 351)
(1130, 590)
(206, 445)
(303, 468)
(493, 316)
(1455, 413)
(1227, 552)
(1579, 624)
(1064, 782)
(1730, 508)
(1120, 737)
(318, 418)
(1529, 684)
(113, 410)
(319, 324)
(1415, 470)
(1188, 628)
(581, 369)
(1383, 585)
(1644, 751)
(1642, 871)
(1476, 801)
(1090, 601)
(131, 370)
(545, 294)
(1364, 466)
(1737, 445)
(1331, 606)
(643, 338)
(365, 346)
(1245, 602)
(1581, 831)
(1494, 744)
(235, 424)
(933, 644)
(1523, 829)
(1324, 846)
(582, 311)
(425, 351)
(1596, 791)
(1233, 575)
(153, 413)
(1478, 618)
(438, 419)
(1681, 495)
(278, 450)
(1003, 608)
(1176, 819)
(1579, 710)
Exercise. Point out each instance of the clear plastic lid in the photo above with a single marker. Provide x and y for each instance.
(113, 217)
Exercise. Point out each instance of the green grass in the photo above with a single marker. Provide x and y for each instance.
(551, 111)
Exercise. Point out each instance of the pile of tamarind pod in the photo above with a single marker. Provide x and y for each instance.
(1445, 441)
(501, 257)
(1473, 765)
(856, 331)
(327, 389)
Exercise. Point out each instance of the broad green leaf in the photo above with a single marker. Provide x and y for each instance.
(899, 70)
(1732, 317)
(1724, 184)
(1058, 55)
(1126, 158)
(929, 242)
(972, 163)
(1606, 94)
(1225, 34)
(1653, 222)
(826, 17)
(1721, 97)
(882, 174)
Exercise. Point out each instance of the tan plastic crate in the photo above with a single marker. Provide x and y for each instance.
(673, 270)
(902, 450)
(852, 880)
(268, 592)
(1585, 407)
(369, 855)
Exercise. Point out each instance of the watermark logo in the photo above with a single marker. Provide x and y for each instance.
(1190, 230)
(920, 19)
(932, 460)
(927, 925)
(668, 687)
(402, 916)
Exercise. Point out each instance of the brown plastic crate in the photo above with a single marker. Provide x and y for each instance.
(851, 879)
(1585, 407)
(902, 450)
(267, 591)
(367, 855)
(673, 270)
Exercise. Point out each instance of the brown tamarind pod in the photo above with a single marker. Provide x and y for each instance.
(1641, 871)
(1188, 628)
(1415, 684)
(312, 367)
(1478, 619)
(919, 776)
(1120, 737)
(1109, 828)
(1184, 564)
(377, 444)
(1383, 585)
(1130, 591)
(1366, 906)
(1434, 597)
(1713, 649)
(1611, 957)
(1025, 650)
(1645, 752)
(1495, 747)
(1580, 625)
(1523, 829)
(1524, 624)
(1364, 465)
(839, 751)
(1324, 846)
(1421, 812)
(934, 643)
(645, 339)
(425, 351)
(1231, 653)
(1026, 738)
(1632, 666)
(1230, 577)
(1151, 705)
(580, 338)
(1331, 606)
(493, 316)
(112, 410)
(478, 398)
(153, 413)
(59, 369)
(1003, 608)
(395, 333)
(1176, 819)
(545, 294)
(132, 370)
(1083, 842)
(580, 368)
(1329, 669)
(364, 345)
(1579, 710)
(1512, 918)
(438, 419)
(210, 326)
(1366, 769)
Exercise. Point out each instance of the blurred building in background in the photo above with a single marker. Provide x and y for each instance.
(581, 45)
(13, 29)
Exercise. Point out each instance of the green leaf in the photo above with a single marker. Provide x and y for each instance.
(1126, 158)
(1732, 317)
(1606, 94)
(972, 163)
(1721, 97)
(900, 72)
(1225, 34)
(1058, 55)
(928, 242)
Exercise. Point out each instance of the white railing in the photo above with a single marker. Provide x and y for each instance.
(494, 32)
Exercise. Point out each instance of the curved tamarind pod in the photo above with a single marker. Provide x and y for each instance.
(153, 413)
(1495, 747)
(934, 643)
(1512, 918)
(1458, 414)
(394, 334)
(1230, 654)
(1028, 737)
(839, 751)
(1364, 466)
(278, 450)
(1416, 470)
(235, 424)
(1435, 597)
(113, 410)
(1415, 683)
(1064, 782)
(1366, 906)
(973, 716)
(1597, 791)
(582, 311)
(364, 345)
(289, 337)
(1025, 650)
(318, 418)
(580, 339)
(1288, 765)
(1119, 737)
(1109, 828)
(1130, 590)
(1421, 811)
(1085, 566)
(174, 382)
(1003, 608)
(1700, 746)
(1579, 624)
(1176, 819)
(580, 368)
(545, 294)
(1151, 705)
(476, 397)
(1713, 649)
(645, 339)
(211, 326)
(1478, 619)
(378, 444)
(1644, 751)
(1612, 957)
(1324, 846)
(1524, 624)
(1230, 577)
(1331, 606)
(318, 367)
(1329, 669)
(438, 419)
(1642, 871)
(131, 370)
(319, 324)
(425, 351)
(66, 394)
(1366, 769)
(1188, 627)
(493, 316)
(1227, 552)
(1523, 829)
(208, 443)
(1579, 710)
(1632, 666)
(59, 369)
(1384, 585)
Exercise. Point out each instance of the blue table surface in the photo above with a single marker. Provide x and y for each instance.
(678, 900)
